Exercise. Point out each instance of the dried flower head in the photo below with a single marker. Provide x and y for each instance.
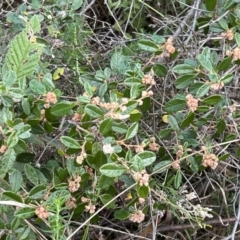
(153, 146)
(141, 200)
(168, 46)
(139, 148)
(3, 149)
(42, 212)
(191, 196)
(77, 117)
(90, 207)
(95, 100)
(50, 98)
(176, 164)
(148, 79)
(210, 160)
(229, 34)
(138, 216)
(217, 86)
(142, 178)
(74, 184)
(192, 102)
(202, 212)
(71, 203)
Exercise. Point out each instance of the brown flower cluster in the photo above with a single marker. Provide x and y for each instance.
(89, 171)
(77, 117)
(142, 178)
(216, 86)
(235, 54)
(229, 34)
(153, 146)
(137, 217)
(148, 79)
(74, 184)
(71, 203)
(192, 102)
(42, 212)
(90, 207)
(147, 94)
(3, 149)
(43, 118)
(168, 46)
(210, 160)
(140, 148)
(50, 97)
(176, 164)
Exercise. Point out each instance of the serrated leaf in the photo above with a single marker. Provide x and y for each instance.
(184, 81)
(24, 213)
(106, 126)
(94, 111)
(26, 106)
(174, 105)
(12, 139)
(162, 166)
(112, 170)
(70, 142)
(61, 109)
(8, 160)
(134, 91)
(148, 46)
(132, 131)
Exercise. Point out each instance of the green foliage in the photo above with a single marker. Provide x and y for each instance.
(66, 157)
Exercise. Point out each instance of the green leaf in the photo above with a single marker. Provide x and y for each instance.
(88, 88)
(184, 81)
(105, 198)
(135, 116)
(37, 87)
(143, 191)
(7, 101)
(225, 64)
(24, 132)
(210, 4)
(25, 157)
(178, 179)
(24, 213)
(9, 78)
(23, 56)
(223, 23)
(31, 174)
(13, 196)
(131, 105)
(148, 46)
(70, 142)
(188, 120)
(137, 164)
(26, 106)
(122, 214)
(76, 4)
(132, 81)
(183, 69)
(105, 182)
(103, 89)
(212, 100)
(174, 105)
(160, 70)
(94, 111)
(119, 63)
(203, 90)
(162, 166)
(132, 131)
(97, 161)
(237, 38)
(112, 170)
(147, 157)
(12, 139)
(8, 160)
(61, 109)
(134, 91)
(119, 127)
(173, 123)
(15, 180)
(227, 78)
(106, 126)
(205, 62)
(38, 192)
